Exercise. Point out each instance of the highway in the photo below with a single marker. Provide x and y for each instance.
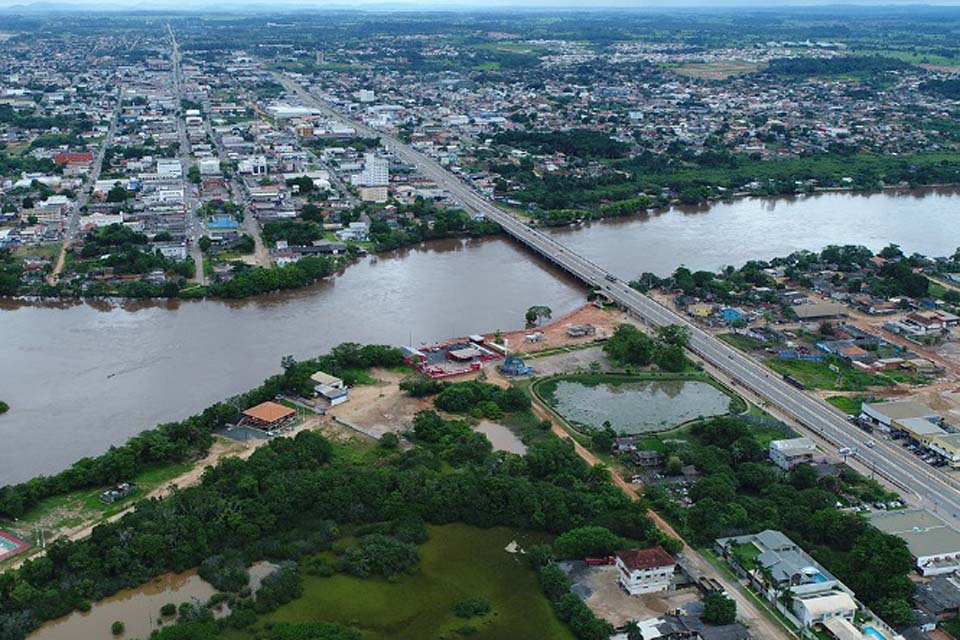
(914, 479)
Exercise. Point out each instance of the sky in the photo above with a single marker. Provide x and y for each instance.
(459, 4)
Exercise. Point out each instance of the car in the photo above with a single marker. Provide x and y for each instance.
(870, 444)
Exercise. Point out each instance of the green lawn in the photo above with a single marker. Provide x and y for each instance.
(457, 562)
(952, 627)
(848, 404)
(741, 342)
(73, 509)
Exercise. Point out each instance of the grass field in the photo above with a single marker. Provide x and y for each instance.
(716, 70)
(457, 562)
(73, 509)
(741, 342)
(848, 404)
(818, 375)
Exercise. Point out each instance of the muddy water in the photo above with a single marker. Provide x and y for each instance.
(138, 609)
(501, 437)
(80, 377)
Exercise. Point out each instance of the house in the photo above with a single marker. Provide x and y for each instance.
(645, 458)
(330, 388)
(776, 565)
(939, 597)
(645, 570)
(787, 454)
(625, 444)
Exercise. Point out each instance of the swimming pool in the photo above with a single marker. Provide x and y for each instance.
(872, 631)
(818, 577)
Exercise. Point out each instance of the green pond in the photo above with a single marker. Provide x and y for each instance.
(457, 562)
(634, 406)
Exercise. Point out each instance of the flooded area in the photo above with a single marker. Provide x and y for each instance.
(138, 609)
(643, 406)
(80, 377)
(501, 437)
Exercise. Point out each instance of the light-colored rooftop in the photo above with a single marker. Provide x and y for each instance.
(925, 533)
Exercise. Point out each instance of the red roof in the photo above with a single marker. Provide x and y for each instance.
(643, 559)
(67, 158)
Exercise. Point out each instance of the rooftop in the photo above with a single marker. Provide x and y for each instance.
(643, 559)
(269, 412)
(925, 533)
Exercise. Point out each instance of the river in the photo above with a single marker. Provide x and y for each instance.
(80, 377)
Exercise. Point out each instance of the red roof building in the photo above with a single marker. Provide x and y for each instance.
(73, 158)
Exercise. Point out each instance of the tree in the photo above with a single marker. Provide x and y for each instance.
(674, 335)
(719, 609)
(205, 243)
(117, 628)
(537, 314)
(629, 346)
(587, 541)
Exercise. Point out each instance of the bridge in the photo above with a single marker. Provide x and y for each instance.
(930, 487)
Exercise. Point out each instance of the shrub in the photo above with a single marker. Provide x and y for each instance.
(117, 628)
(471, 607)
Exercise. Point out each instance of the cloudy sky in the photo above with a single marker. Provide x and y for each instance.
(464, 4)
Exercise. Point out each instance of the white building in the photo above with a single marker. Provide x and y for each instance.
(366, 95)
(645, 570)
(256, 166)
(169, 168)
(209, 167)
(787, 454)
(329, 387)
(376, 172)
(884, 414)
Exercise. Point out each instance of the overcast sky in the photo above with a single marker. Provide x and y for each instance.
(465, 4)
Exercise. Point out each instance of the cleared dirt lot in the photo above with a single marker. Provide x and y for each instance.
(599, 588)
(380, 407)
(555, 333)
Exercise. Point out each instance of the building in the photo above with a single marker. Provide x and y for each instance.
(774, 564)
(376, 172)
(330, 388)
(883, 414)
(169, 168)
(819, 311)
(787, 454)
(645, 570)
(268, 416)
(374, 194)
(934, 545)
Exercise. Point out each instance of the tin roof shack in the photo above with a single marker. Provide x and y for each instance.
(330, 388)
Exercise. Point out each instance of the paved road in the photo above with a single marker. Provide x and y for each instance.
(928, 485)
(73, 221)
(190, 190)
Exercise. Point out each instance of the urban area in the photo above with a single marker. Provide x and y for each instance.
(768, 448)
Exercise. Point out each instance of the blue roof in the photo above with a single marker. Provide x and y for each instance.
(223, 222)
(730, 315)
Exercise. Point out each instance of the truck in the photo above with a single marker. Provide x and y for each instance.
(789, 379)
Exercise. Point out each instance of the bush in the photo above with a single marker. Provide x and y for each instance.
(719, 609)
(168, 610)
(117, 628)
(226, 573)
(389, 440)
(471, 607)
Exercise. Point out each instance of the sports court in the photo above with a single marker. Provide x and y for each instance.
(10, 546)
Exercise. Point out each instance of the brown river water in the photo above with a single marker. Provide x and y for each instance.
(82, 376)
(138, 608)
